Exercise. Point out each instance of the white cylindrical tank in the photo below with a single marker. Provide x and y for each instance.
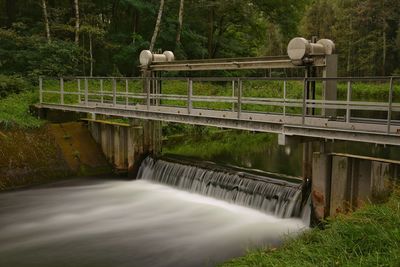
(147, 57)
(300, 48)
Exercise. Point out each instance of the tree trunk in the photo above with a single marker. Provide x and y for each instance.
(384, 48)
(91, 54)
(180, 23)
(46, 20)
(76, 4)
(157, 27)
(210, 32)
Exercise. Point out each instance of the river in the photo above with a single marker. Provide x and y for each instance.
(108, 222)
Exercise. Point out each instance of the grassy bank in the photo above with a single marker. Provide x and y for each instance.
(215, 143)
(368, 237)
(14, 111)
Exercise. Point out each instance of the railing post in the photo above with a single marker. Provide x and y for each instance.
(190, 93)
(101, 91)
(62, 91)
(239, 102)
(114, 91)
(348, 108)
(79, 90)
(284, 98)
(389, 114)
(148, 93)
(40, 90)
(233, 95)
(303, 118)
(126, 92)
(86, 92)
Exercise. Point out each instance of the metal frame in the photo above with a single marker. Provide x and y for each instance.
(151, 106)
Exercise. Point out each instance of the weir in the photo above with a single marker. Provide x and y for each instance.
(319, 115)
(279, 197)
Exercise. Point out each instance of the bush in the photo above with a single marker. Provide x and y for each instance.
(12, 85)
(31, 56)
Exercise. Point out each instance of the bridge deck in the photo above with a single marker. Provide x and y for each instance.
(150, 105)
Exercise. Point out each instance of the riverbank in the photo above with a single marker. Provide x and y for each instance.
(48, 153)
(367, 237)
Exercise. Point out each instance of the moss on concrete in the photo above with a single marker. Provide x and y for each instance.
(54, 151)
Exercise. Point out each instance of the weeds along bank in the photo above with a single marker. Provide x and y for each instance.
(367, 237)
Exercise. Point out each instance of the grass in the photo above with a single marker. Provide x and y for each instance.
(210, 145)
(367, 237)
(14, 111)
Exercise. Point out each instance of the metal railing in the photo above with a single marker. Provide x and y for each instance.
(231, 97)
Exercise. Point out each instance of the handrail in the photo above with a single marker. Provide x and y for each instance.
(117, 92)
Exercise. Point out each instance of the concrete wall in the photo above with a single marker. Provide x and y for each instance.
(125, 145)
(342, 182)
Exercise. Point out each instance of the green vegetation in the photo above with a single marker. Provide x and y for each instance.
(12, 84)
(208, 143)
(47, 37)
(14, 111)
(367, 237)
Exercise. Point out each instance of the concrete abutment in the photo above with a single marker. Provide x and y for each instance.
(126, 144)
(343, 182)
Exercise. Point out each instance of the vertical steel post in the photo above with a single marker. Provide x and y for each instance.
(233, 95)
(101, 91)
(126, 93)
(40, 90)
(303, 118)
(389, 114)
(284, 98)
(148, 93)
(62, 91)
(348, 108)
(79, 90)
(239, 102)
(114, 91)
(86, 92)
(190, 93)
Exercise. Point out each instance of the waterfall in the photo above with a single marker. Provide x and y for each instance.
(274, 196)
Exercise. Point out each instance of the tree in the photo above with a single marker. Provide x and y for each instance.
(46, 20)
(157, 27)
(77, 21)
(180, 23)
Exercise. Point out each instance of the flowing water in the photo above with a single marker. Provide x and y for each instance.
(99, 223)
(274, 196)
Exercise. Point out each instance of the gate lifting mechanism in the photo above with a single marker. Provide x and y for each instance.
(301, 53)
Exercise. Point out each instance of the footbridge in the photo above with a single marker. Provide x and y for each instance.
(318, 105)
(274, 105)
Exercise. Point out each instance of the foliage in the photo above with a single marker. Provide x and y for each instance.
(368, 237)
(14, 111)
(11, 85)
(113, 33)
(30, 56)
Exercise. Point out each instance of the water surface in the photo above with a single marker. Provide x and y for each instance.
(128, 223)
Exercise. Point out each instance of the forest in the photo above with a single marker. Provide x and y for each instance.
(100, 37)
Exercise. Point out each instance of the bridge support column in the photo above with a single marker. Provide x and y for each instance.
(344, 182)
(125, 145)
